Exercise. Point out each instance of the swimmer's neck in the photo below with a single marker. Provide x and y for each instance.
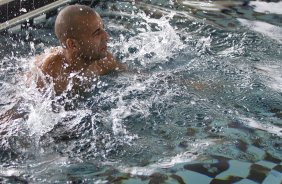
(75, 63)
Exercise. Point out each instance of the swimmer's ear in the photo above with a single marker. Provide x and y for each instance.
(71, 44)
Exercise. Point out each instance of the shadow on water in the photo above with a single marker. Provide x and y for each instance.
(203, 104)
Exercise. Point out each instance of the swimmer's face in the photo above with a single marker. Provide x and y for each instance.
(92, 38)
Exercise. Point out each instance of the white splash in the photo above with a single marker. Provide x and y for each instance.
(264, 28)
(42, 118)
(259, 125)
(264, 7)
(160, 43)
(126, 108)
(210, 5)
(187, 156)
(273, 76)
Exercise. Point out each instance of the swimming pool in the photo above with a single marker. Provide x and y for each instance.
(202, 104)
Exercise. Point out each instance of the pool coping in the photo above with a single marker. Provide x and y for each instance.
(32, 14)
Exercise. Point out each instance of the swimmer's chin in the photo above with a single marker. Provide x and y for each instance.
(104, 55)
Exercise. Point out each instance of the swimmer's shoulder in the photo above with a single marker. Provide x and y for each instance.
(50, 62)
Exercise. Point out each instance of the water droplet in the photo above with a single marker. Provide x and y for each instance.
(23, 10)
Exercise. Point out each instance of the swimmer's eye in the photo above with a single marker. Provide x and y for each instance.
(99, 31)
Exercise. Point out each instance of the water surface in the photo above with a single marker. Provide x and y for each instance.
(202, 103)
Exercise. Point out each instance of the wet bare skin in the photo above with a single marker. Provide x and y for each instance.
(59, 73)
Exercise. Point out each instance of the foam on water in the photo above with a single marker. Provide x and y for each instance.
(267, 7)
(208, 6)
(188, 156)
(160, 41)
(273, 75)
(262, 126)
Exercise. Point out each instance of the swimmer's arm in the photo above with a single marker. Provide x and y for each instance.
(34, 78)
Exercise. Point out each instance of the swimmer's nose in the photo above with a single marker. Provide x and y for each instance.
(106, 36)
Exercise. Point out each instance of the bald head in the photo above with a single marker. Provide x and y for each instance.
(69, 21)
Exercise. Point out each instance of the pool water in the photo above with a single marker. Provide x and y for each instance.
(202, 102)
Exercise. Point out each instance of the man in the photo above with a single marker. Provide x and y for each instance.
(83, 54)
